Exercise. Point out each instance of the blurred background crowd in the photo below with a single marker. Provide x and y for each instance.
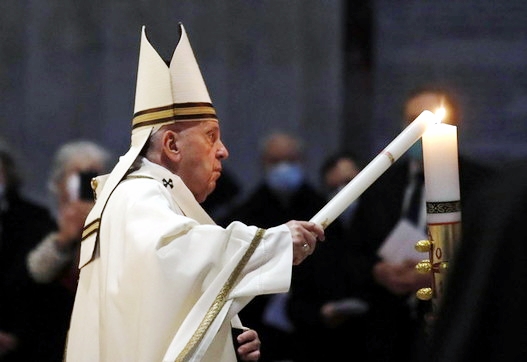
(307, 93)
(335, 72)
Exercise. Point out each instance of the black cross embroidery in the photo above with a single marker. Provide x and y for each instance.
(168, 183)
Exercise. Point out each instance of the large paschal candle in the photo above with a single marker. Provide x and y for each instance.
(441, 171)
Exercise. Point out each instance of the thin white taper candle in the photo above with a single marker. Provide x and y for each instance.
(374, 169)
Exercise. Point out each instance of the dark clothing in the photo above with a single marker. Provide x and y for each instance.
(38, 314)
(264, 209)
(332, 273)
(394, 321)
(482, 316)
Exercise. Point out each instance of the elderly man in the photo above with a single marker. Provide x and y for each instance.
(159, 280)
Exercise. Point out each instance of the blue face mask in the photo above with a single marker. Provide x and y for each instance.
(416, 151)
(285, 177)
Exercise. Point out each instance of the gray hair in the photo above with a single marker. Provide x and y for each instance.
(71, 152)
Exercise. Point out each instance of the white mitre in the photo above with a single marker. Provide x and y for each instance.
(164, 94)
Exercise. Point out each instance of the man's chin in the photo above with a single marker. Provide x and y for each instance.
(211, 188)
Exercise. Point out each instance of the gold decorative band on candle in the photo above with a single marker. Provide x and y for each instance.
(390, 156)
(443, 207)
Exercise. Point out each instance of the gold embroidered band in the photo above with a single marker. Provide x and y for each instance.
(91, 228)
(220, 300)
(172, 113)
(444, 207)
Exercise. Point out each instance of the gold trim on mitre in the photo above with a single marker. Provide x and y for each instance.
(176, 112)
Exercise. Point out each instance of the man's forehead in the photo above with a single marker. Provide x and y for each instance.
(211, 125)
(204, 124)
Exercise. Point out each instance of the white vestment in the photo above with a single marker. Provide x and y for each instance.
(159, 265)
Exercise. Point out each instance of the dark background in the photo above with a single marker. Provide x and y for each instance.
(335, 72)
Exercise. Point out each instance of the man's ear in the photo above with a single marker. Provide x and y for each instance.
(170, 145)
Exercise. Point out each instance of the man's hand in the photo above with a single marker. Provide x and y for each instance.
(249, 349)
(71, 222)
(305, 235)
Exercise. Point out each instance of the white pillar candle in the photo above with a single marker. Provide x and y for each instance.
(441, 171)
(374, 169)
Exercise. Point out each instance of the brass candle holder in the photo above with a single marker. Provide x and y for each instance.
(441, 245)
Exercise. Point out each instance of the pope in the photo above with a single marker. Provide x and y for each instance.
(159, 280)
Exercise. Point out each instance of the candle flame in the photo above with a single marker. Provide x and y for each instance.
(440, 114)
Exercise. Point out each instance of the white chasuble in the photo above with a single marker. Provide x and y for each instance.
(165, 282)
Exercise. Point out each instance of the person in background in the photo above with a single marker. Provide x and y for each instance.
(326, 304)
(23, 223)
(393, 203)
(53, 263)
(74, 165)
(284, 193)
(336, 172)
(159, 279)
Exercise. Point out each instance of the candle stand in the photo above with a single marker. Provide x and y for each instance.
(441, 245)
